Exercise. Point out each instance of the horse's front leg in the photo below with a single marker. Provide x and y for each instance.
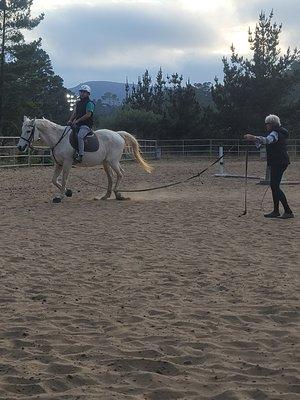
(63, 191)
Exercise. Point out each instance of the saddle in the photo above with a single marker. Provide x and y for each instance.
(91, 142)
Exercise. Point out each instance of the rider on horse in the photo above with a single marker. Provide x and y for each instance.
(82, 118)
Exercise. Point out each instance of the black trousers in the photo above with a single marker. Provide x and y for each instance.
(276, 172)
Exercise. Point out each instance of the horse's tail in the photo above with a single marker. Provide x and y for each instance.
(131, 141)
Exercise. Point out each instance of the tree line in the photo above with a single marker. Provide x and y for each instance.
(28, 84)
(166, 107)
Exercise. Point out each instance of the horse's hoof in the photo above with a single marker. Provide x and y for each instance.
(120, 197)
(56, 200)
(68, 193)
(98, 198)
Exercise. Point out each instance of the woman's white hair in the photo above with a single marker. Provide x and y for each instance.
(273, 120)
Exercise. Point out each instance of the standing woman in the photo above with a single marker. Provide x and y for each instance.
(277, 160)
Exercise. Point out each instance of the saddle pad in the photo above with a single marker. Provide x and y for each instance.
(91, 142)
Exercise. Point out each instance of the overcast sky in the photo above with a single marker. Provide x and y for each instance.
(114, 39)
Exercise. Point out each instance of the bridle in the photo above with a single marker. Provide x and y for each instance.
(31, 136)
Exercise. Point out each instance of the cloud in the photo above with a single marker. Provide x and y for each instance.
(120, 36)
(286, 12)
(112, 39)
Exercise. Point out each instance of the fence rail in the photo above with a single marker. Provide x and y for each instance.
(210, 148)
(11, 157)
(152, 149)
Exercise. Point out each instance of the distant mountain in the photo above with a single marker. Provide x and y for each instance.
(99, 88)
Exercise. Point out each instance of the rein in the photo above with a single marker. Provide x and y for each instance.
(61, 138)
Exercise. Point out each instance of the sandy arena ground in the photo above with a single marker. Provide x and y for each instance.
(167, 296)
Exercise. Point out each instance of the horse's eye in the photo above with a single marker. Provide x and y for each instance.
(29, 131)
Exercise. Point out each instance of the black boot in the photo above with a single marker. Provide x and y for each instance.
(273, 214)
(77, 159)
(287, 215)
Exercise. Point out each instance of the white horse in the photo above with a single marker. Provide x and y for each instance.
(111, 146)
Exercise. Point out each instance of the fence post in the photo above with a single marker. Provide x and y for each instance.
(210, 148)
(29, 157)
(221, 162)
(157, 151)
(15, 155)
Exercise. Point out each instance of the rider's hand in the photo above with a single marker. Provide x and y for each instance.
(72, 124)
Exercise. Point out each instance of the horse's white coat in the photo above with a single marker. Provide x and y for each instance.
(111, 146)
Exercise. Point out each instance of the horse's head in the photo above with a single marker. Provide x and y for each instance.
(28, 135)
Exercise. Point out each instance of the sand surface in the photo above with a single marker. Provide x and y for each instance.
(170, 295)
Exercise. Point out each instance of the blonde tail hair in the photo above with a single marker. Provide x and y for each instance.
(131, 141)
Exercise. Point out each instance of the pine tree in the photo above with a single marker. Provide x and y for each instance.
(203, 92)
(141, 97)
(110, 99)
(15, 15)
(159, 91)
(31, 86)
(183, 112)
(256, 87)
(171, 104)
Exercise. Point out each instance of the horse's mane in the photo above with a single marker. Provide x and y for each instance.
(47, 123)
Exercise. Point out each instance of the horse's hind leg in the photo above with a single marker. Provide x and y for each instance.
(57, 171)
(108, 171)
(119, 172)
